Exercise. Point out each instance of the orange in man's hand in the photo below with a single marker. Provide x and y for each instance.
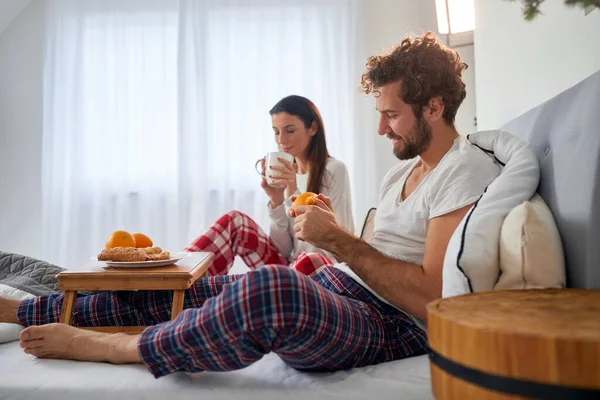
(120, 239)
(305, 199)
(142, 241)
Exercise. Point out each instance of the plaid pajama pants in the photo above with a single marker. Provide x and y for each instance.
(322, 322)
(236, 234)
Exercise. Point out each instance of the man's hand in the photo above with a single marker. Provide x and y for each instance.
(316, 224)
(321, 197)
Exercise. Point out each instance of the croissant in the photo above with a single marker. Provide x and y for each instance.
(133, 254)
(152, 250)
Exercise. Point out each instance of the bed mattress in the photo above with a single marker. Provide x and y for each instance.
(26, 377)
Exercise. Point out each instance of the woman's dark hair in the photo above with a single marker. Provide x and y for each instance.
(304, 109)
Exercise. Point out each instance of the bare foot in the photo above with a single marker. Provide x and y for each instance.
(8, 310)
(70, 343)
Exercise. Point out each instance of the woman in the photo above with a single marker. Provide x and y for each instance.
(299, 131)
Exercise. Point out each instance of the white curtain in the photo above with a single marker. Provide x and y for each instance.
(156, 110)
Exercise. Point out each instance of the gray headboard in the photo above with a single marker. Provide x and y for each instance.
(564, 133)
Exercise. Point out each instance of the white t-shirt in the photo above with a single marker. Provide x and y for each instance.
(336, 186)
(400, 226)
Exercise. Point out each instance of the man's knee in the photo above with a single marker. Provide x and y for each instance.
(266, 286)
(273, 276)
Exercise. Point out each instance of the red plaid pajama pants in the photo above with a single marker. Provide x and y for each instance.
(236, 234)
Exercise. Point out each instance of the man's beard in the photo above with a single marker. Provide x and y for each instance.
(416, 142)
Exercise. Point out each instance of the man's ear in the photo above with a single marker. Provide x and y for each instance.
(435, 109)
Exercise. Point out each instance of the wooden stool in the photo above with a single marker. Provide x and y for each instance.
(177, 278)
(516, 344)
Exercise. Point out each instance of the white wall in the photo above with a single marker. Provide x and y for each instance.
(465, 117)
(521, 64)
(385, 23)
(9, 9)
(21, 47)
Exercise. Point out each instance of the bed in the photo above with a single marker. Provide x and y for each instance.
(565, 136)
(24, 377)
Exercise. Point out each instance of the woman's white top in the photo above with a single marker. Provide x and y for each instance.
(336, 186)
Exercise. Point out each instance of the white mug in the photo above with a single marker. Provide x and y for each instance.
(271, 160)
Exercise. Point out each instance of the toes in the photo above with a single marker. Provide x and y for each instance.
(35, 351)
(36, 332)
(32, 333)
(40, 353)
(28, 344)
(31, 350)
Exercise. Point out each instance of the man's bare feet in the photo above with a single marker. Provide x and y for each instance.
(8, 310)
(70, 343)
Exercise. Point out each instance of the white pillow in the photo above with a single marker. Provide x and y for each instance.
(531, 252)
(11, 293)
(10, 332)
(471, 263)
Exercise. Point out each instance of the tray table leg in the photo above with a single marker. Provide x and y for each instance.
(178, 296)
(68, 306)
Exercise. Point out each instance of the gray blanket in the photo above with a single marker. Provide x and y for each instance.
(28, 274)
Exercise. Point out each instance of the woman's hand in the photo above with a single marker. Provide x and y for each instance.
(276, 194)
(284, 176)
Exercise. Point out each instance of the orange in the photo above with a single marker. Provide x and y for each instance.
(305, 199)
(120, 239)
(142, 240)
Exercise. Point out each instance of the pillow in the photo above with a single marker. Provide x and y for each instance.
(10, 332)
(368, 227)
(11, 293)
(471, 263)
(531, 252)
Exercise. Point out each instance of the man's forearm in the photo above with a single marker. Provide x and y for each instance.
(403, 284)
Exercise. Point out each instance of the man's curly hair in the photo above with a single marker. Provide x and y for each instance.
(427, 69)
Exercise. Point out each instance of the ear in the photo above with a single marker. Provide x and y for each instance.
(435, 109)
(313, 129)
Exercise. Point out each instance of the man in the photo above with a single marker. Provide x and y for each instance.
(366, 310)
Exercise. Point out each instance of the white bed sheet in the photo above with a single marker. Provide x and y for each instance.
(25, 377)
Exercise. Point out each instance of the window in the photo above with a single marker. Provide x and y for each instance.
(156, 110)
(455, 16)
(128, 123)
